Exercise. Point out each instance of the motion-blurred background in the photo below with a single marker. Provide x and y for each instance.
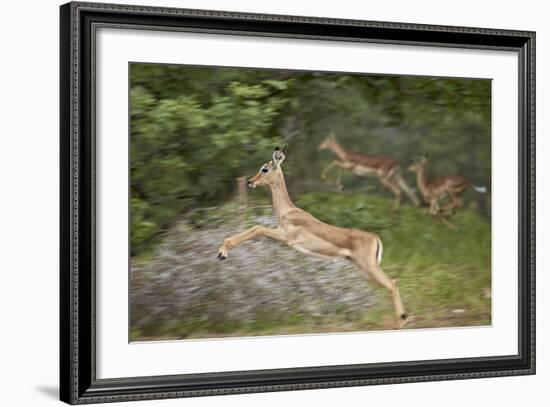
(198, 132)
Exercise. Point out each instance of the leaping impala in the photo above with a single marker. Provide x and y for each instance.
(451, 185)
(305, 233)
(385, 168)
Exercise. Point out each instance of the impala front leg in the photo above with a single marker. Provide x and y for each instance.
(341, 164)
(327, 169)
(254, 231)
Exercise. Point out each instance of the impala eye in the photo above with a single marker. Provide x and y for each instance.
(264, 170)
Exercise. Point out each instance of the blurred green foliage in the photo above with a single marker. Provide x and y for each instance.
(195, 129)
(187, 147)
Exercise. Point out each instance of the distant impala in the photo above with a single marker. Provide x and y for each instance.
(385, 168)
(300, 230)
(451, 185)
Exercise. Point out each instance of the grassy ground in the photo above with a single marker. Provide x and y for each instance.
(444, 275)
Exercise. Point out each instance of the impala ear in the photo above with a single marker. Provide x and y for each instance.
(278, 156)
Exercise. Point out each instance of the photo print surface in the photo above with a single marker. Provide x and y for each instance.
(275, 202)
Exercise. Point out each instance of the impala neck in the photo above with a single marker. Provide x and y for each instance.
(421, 181)
(337, 149)
(281, 201)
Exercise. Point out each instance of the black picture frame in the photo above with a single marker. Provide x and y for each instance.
(78, 382)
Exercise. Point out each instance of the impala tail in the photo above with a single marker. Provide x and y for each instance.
(480, 190)
(379, 250)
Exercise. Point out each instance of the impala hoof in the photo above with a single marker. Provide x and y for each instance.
(221, 257)
(404, 320)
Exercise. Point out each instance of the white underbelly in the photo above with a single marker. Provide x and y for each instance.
(362, 171)
(303, 249)
(323, 252)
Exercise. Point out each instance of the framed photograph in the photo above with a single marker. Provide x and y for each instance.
(255, 203)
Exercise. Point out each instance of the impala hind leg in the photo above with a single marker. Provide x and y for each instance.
(454, 204)
(440, 213)
(391, 285)
(339, 184)
(391, 185)
(373, 270)
(434, 207)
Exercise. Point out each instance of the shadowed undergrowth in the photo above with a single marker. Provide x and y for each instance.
(264, 288)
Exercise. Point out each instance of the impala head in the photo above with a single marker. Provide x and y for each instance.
(268, 172)
(418, 163)
(327, 142)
